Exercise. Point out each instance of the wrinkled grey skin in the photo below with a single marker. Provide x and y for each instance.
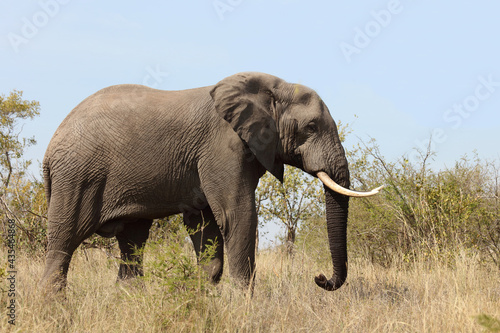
(129, 154)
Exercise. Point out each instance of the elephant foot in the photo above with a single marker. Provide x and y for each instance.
(56, 269)
(214, 270)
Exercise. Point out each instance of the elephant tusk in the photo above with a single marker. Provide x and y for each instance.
(339, 189)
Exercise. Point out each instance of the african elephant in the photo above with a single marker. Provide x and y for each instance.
(129, 154)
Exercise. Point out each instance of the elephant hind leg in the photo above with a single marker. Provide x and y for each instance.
(56, 270)
(131, 241)
(207, 233)
(72, 217)
(63, 239)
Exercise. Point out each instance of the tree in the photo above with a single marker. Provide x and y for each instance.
(12, 109)
(18, 195)
(299, 198)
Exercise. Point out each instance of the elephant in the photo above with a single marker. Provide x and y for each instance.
(129, 154)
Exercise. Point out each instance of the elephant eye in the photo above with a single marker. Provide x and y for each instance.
(312, 127)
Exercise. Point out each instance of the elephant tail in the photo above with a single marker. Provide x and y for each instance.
(47, 181)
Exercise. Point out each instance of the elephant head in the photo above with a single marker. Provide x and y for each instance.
(284, 123)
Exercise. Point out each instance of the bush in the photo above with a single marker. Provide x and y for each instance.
(174, 265)
(422, 210)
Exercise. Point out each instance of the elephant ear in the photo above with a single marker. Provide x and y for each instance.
(247, 103)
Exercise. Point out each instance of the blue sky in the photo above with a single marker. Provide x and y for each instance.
(405, 68)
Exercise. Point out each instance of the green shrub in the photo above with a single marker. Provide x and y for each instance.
(422, 210)
(174, 265)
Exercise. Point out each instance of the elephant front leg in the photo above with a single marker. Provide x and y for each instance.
(229, 188)
(207, 233)
(240, 243)
(131, 241)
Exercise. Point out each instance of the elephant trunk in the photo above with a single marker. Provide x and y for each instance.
(337, 206)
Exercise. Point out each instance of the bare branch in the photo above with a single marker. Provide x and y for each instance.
(35, 214)
(9, 170)
(14, 216)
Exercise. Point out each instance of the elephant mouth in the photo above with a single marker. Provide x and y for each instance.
(331, 184)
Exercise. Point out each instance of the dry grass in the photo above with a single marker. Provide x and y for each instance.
(425, 296)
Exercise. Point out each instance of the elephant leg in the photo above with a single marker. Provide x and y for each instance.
(62, 240)
(66, 230)
(207, 232)
(240, 227)
(231, 196)
(131, 241)
(56, 270)
(237, 220)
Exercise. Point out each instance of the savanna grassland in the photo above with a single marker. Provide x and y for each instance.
(426, 295)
